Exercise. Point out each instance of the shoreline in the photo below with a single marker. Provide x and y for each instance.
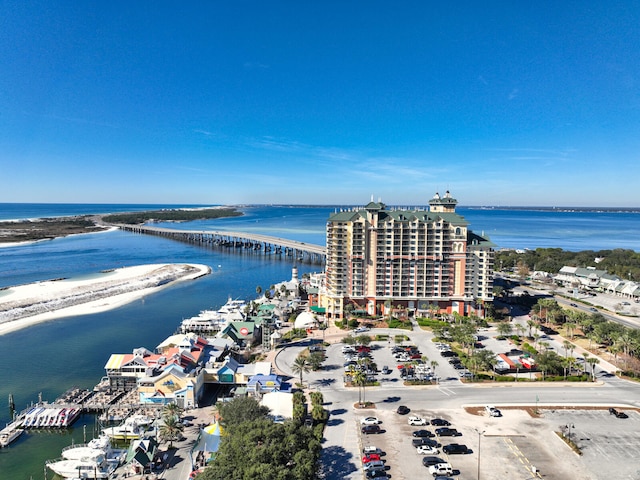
(25, 305)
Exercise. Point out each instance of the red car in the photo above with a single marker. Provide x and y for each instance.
(370, 458)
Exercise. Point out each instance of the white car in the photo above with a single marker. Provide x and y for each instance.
(361, 329)
(427, 450)
(371, 449)
(418, 421)
(493, 411)
(441, 469)
(370, 421)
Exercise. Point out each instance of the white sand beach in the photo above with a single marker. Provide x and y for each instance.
(25, 305)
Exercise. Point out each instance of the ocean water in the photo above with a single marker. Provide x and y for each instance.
(52, 357)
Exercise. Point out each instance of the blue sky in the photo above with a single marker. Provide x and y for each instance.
(228, 102)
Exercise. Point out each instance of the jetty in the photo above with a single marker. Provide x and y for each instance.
(239, 241)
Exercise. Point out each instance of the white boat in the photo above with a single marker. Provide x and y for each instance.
(96, 459)
(9, 434)
(131, 429)
(91, 466)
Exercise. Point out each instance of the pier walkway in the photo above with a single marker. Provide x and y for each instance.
(304, 252)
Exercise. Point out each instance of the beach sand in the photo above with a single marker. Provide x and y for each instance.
(25, 305)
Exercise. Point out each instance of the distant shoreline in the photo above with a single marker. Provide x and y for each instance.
(28, 231)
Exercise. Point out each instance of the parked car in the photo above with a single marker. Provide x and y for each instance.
(417, 421)
(493, 411)
(427, 450)
(613, 411)
(423, 434)
(403, 410)
(431, 460)
(370, 457)
(373, 465)
(367, 429)
(430, 442)
(370, 421)
(377, 474)
(386, 370)
(440, 422)
(455, 448)
(368, 449)
(361, 329)
(447, 432)
(441, 469)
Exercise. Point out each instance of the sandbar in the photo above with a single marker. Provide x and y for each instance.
(25, 305)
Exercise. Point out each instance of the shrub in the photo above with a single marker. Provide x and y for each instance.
(395, 323)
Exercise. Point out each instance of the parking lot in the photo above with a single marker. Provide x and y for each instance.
(516, 445)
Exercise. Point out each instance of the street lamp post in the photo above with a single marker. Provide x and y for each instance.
(480, 433)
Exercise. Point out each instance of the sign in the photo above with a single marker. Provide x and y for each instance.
(244, 331)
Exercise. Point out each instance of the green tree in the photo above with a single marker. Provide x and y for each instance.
(315, 360)
(260, 449)
(593, 361)
(359, 378)
(300, 366)
(504, 329)
(171, 410)
(531, 324)
(171, 430)
(241, 409)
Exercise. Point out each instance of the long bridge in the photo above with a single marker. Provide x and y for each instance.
(254, 242)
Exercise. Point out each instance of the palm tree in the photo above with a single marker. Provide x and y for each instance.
(433, 364)
(359, 378)
(171, 430)
(593, 361)
(504, 329)
(585, 357)
(536, 337)
(567, 345)
(300, 366)
(531, 324)
(570, 326)
(171, 410)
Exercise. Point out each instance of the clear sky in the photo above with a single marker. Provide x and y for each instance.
(320, 102)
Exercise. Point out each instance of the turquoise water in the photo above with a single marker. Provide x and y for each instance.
(55, 356)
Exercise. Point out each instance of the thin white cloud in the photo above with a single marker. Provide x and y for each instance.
(514, 93)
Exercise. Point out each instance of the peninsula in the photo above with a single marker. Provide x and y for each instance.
(25, 305)
(27, 230)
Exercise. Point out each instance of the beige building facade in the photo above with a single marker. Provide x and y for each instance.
(422, 261)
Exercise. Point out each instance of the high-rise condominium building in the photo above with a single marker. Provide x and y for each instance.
(422, 261)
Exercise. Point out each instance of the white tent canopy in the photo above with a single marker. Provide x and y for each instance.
(306, 320)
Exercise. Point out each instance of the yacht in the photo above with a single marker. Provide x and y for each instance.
(131, 429)
(96, 459)
(9, 434)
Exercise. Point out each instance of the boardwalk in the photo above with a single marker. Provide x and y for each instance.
(239, 240)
